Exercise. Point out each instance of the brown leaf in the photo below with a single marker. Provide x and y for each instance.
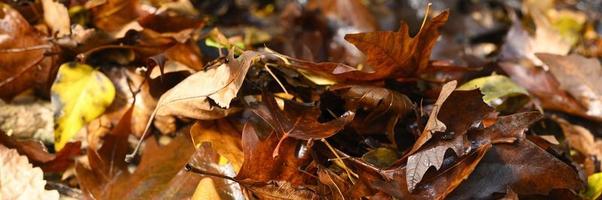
(383, 104)
(338, 187)
(519, 44)
(390, 54)
(260, 166)
(57, 17)
(22, 61)
(113, 15)
(224, 139)
(459, 112)
(184, 184)
(352, 12)
(38, 155)
(108, 177)
(305, 126)
(433, 124)
(393, 54)
(580, 139)
(545, 87)
(580, 77)
(523, 167)
(220, 84)
(394, 181)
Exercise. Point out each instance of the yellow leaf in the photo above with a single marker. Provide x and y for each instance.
(205, 190)
(594, 186)
(79, 95)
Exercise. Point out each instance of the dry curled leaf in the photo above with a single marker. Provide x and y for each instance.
(19, 179)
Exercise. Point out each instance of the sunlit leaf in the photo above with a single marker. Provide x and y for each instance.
(79, 94)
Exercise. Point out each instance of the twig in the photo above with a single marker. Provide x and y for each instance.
(190, 168)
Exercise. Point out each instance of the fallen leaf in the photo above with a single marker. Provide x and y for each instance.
(20, 180)
(113, 15)
(352, 12)
(495, 88)
(580, 77)
(527, 170)
(394, 181)
(79, 95)
(22, 60)
(594, 186)
(57, 17)
(158, 169)
(458, 123)
(220, 84)
(224, 138)
(546, 88)
(546, 40)
(382, 103)
(393, 54)
(260, 166)
(209, 161)
(390, 54)
(433, 124)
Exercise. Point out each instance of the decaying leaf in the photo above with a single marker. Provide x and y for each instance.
(519, 44)
(79, 95)
(20, 180)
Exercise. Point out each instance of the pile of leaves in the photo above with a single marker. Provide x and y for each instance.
(317, 99)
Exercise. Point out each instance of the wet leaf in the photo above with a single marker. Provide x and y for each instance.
(79, 95)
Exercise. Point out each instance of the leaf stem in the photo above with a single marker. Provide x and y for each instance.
(191, 168)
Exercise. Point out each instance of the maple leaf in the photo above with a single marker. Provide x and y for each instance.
(390, 54)
(260, 166)
(305, 127)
